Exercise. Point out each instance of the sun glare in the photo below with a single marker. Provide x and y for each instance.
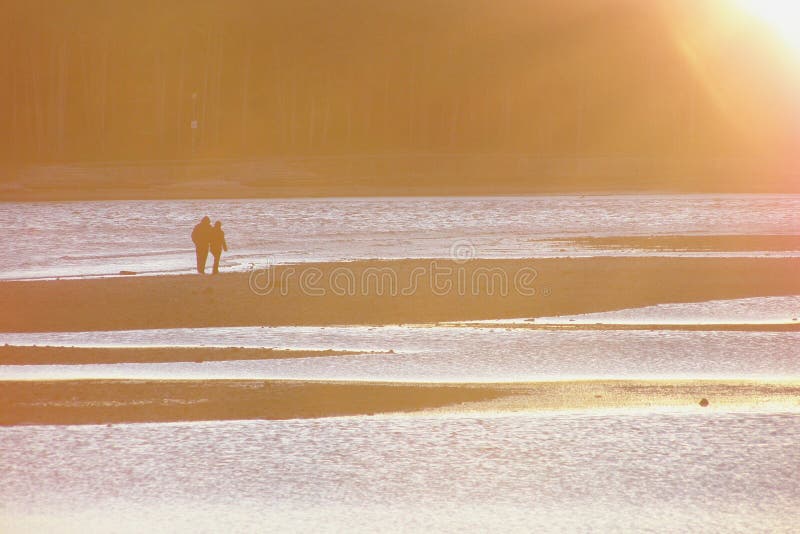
(783, 16)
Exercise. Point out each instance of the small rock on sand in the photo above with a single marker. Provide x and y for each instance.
(704, 402)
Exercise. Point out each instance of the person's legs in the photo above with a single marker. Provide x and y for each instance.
(202, 255)
(216, 262)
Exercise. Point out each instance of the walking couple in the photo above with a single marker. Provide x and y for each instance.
(207, 237)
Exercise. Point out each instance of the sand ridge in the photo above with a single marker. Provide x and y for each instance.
(388, 292)
(130, 401)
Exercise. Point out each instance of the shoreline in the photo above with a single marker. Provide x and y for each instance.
(96, 190)
(788, 243)
(717, 246)
(311, 294)
(131, 401)
(710, 327)
(656, 253)
(57, 355)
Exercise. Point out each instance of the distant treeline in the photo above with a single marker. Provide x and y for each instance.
(98, 80)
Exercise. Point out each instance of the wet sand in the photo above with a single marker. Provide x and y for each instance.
(129, 401)
(120, 401)
(319, 294)
(694, 243)
(310, 294)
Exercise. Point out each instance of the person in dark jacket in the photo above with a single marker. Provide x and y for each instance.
(218, 244)
(201, 236)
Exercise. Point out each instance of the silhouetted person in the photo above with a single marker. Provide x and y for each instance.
(201, 235)
(218, 244)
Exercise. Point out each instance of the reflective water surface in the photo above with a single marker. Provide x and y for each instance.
(659, 472)
(758, 310)
(617, 471)
(457, 354)
(102, 238)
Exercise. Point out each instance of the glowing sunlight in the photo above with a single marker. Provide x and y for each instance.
(399, 266)
(783, 16)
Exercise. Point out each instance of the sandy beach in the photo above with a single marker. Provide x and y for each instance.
(127, 401)
(561, 286)
(387, 292)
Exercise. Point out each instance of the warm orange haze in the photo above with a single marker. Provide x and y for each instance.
(359, 97)
(399, 266)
